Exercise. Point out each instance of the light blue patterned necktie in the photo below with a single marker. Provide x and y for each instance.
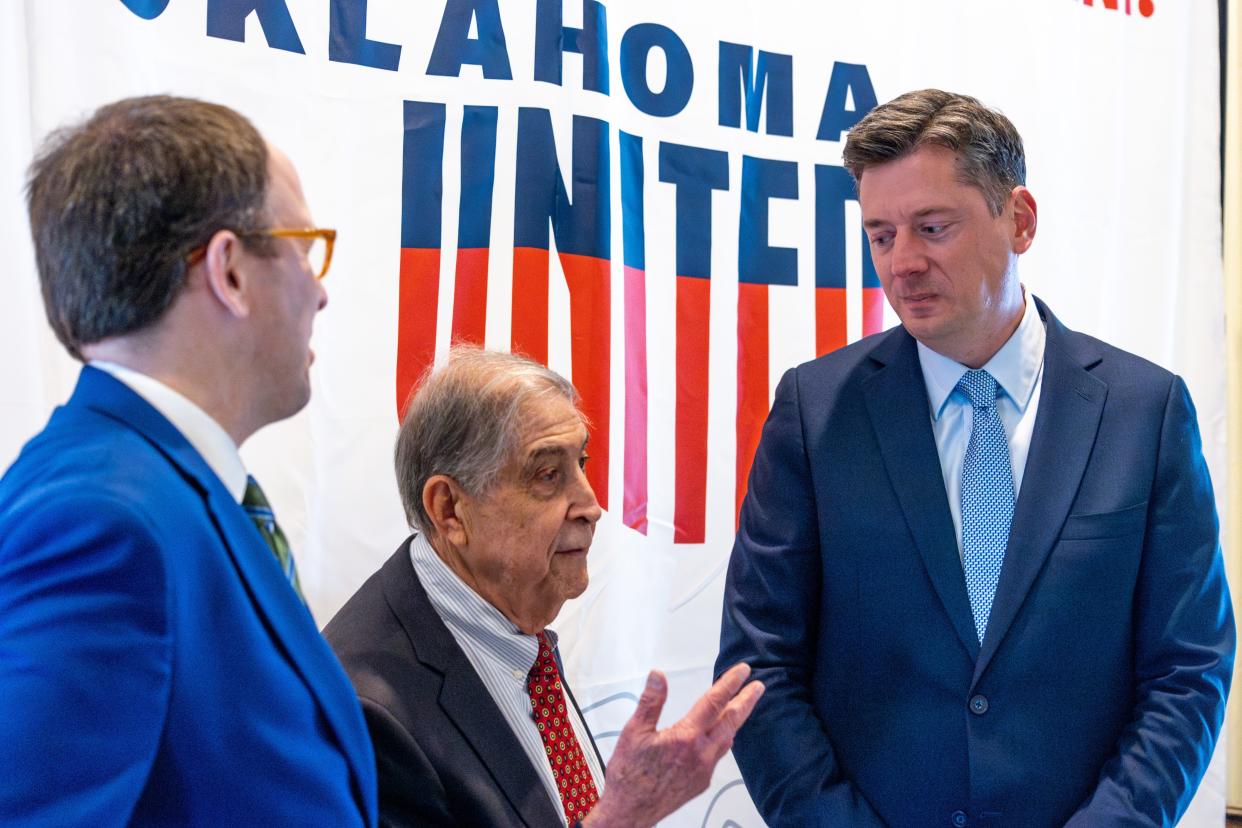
(987, 496)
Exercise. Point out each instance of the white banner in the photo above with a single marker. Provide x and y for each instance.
(649, 195)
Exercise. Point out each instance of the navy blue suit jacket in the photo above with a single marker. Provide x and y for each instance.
(1098, 691)
(155, 666)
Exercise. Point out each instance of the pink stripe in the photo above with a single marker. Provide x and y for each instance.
(634, 496)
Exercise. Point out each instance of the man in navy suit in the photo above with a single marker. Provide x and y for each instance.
(157, 663)
(978, 567)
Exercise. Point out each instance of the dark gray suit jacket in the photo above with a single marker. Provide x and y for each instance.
(443, 750)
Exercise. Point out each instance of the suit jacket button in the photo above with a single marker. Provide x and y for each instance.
(979, 705)
(958, 818)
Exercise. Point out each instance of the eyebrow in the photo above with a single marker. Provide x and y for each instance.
(546, 452)
(871, 224)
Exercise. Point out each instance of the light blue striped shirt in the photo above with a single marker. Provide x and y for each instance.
(502, 655)
(1018, 368)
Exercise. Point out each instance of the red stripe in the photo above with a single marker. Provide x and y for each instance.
(752, 380)
(830, 330)
(690, 430)
(470, 295)
(873, 310)
(419, 293)
(590, 319)
(634, 493)
(529, 334)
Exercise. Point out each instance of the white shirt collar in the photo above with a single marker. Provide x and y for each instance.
(465, 610)
(1015, 367)
(206, 436)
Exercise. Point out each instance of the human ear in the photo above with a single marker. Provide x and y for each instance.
(443, 499)
(1025, 219)
(222, 274)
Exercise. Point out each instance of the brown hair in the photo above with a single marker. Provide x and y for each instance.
(118, 202)
(989, 148)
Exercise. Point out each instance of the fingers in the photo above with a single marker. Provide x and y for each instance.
(707, 709)
(649, 705)
(737, 712)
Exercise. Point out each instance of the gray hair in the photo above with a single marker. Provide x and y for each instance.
(464, 421)
(988, 146)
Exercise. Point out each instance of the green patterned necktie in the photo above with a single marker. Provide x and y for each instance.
(260, 511)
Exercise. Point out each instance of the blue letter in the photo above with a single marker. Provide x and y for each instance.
(226, 19)
(347, 38)
(591, 41)
(146, 9)
(695, 172)
(454, 46)
(833, 187)
(846, 77)
(583, 224)
(757, 261)
(735, 60)
(636, 46)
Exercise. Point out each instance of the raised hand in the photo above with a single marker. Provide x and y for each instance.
(654, 772)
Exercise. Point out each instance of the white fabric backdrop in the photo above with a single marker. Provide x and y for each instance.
(1118, 110)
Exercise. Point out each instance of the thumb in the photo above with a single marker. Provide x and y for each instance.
(647, 714)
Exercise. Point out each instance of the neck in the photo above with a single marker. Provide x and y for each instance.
(201, 375)
(529, 622)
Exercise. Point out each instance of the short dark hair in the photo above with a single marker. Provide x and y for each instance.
(118, 202)
(464, 420)
(988, 146)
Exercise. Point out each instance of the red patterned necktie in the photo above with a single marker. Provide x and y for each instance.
(569, 767)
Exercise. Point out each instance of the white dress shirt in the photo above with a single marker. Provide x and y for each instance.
(204, 434)
(502, 655)
(1018, 368)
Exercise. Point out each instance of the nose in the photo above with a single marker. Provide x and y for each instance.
(584, 506)
(323, 295)
(907, 256)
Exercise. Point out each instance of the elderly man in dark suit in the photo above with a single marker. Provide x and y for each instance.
(978, 566)
(448, 646)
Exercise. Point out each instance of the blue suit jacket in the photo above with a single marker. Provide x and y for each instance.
(155, 666)
(1099, 689)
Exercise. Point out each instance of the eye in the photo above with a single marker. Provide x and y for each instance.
(881, 240)
(932, 229)
(548, 475)
(582, 461)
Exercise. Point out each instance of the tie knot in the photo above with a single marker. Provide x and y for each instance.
(545, 663)
(254, 496)
(980, 387)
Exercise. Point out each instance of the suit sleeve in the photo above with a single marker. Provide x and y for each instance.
(411, 792)
(1183, 642)
(771, 611)
(84, 660)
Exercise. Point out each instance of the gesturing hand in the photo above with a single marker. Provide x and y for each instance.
(654, 772)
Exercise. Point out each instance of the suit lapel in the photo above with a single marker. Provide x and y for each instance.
(463, 697)
(1071, 401)
(896, 398)
(291, 626)
(294, 629)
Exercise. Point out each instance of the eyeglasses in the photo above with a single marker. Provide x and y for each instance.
(318, 250)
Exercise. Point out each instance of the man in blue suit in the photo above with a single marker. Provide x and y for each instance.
(978, 567)
(157, 663)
